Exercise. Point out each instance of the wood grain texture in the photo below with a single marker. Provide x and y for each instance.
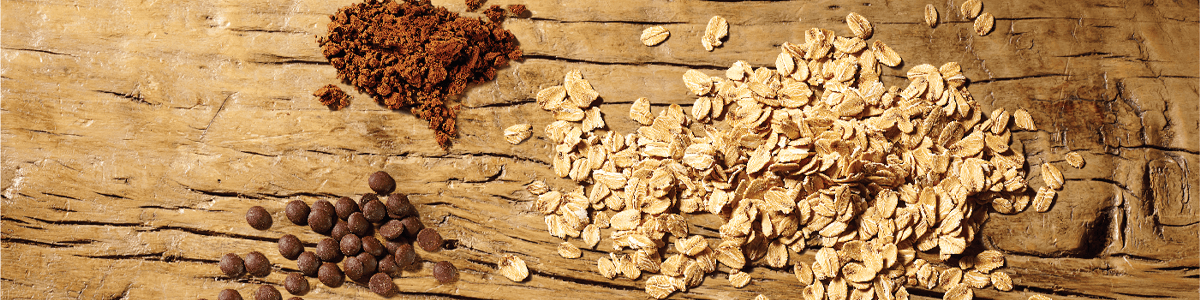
(137, 133)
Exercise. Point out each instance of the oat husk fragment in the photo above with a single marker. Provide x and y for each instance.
(416, 56)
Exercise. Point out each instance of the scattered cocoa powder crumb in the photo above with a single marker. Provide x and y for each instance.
(495, 13)
(517, 9)
(414, 55)
(473, 5)
(333, 97)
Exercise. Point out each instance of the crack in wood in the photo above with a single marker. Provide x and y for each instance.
(551, 57)
(40, 51)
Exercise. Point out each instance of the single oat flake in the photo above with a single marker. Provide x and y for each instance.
(654, 35)
(1023, 120)
(739, 279)
(931, 15)
(717, 29)
(971, 8)
(513, 268)
(1074, 159)
(1052, 176)
(859, 25)
(984, 24)
(1045, 196)
(1002, 281)
(517, 133)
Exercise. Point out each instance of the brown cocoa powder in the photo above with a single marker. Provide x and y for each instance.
(333, 97)
(473, 5)
(518, 10)
(417, 56)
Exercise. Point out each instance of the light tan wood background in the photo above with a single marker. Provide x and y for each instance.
(137, 133)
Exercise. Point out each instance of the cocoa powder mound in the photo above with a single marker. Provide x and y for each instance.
(333, 97)
(415, 55)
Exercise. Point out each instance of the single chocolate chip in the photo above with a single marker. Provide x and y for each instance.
(429, 239)
(399, 207)
(290, 246)
(339, 230)
(382, 285)
(372, 245)
(405, 256)
(267, 292)
(367, 198)
(375, 211)
(391, 230)
(388, 265)
(353, 268)
(325, 206)
(257, 264)
(229, 294)
(350, 245)
(296, 284)
(381, 182)
(393, 245)
(369, 263)
(328, 250)
(444, 272)
(258, 218)
(232, 265)
(412, 225)
(308, 263)
(345, 207)
(320, 221)
(330, 275)
(297, 212)
(358, 224)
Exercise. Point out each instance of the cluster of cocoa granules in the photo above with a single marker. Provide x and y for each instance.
(369, 242)
(333, 97)
(414, 55)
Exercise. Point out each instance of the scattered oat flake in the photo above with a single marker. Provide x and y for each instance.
(654, 35)
(660, 286)
(931, 16)
(1045, 196)
(1040, 297)
(885, 54)
(761, 297)
(513, 268)
(1023, 120)
(1052, 176)
(959, 292)
(984, 24)
(1002, 281)
(1074, 159)
(537, 187)
(606, 267)
(717, 29)
(971, 8)
(739, 279)
(859, 25)
(517, 133)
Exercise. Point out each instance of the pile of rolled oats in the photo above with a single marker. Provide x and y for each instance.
(816, 155)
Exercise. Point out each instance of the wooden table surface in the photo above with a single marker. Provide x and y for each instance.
(137, 133)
